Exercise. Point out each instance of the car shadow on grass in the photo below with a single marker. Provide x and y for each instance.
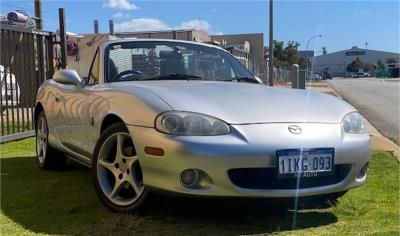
(64, 202)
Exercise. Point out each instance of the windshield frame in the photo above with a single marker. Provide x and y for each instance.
(110, 45)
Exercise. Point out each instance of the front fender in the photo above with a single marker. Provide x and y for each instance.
(137, 106)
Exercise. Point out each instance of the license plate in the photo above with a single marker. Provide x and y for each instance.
(304, 162)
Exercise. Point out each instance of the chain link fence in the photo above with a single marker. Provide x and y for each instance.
(260, 69)
(281, 76)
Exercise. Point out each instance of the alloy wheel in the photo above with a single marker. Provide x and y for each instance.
(118, 170)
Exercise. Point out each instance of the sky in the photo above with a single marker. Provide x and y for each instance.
(341, 23)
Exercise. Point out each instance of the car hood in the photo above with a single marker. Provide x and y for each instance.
(244, 103)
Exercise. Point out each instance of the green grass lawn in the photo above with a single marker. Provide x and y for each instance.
(34, 201)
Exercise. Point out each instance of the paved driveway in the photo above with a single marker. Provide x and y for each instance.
(377, 100)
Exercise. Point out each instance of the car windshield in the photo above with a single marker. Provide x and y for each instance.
(158, 60)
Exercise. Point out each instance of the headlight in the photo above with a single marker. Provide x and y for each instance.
(353, 123)
(188, 123)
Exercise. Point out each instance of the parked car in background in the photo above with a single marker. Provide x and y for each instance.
(10, 91)
(188, 118)
(314, 77)
(361, 75)
(326, 75)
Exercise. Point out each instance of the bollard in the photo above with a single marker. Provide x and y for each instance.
(294, 76)
(302, 79)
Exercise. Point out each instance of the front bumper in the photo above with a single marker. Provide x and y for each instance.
(247, 146)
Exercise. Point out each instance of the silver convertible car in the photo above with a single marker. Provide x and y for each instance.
(188, 118)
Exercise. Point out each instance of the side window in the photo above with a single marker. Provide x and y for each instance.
(94, 70)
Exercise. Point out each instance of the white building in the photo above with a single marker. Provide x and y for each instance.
(337, 62)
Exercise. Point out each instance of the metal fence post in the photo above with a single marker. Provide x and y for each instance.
(294, 76)
(63, 38)
(111, 25)
(96, 26)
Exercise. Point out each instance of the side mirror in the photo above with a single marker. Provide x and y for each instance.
(258, 79)
(66, 76)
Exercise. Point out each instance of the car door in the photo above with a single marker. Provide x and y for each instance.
(72, 116)
(73, 133)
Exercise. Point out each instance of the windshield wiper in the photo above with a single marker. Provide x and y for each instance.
(176, 77)
(242, 79)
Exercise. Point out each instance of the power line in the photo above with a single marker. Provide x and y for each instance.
(10, 5)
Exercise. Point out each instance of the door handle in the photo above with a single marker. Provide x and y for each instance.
(57, 98)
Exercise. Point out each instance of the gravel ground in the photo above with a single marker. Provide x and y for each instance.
(378, 101)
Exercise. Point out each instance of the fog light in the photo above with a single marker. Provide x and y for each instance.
(362, 172)
(189, 177)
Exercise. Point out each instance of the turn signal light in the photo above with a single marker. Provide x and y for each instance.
(153, 151)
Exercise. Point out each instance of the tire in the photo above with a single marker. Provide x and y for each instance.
(46, 157)
(117, 175)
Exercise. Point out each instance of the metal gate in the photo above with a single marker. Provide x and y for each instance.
(26, 60)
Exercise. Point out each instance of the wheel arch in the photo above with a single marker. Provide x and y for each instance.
(110, 119)
(38, 109)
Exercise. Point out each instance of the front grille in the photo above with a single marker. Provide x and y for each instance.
(266, 178)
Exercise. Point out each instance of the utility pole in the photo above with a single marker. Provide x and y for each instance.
(38, 14)
(271, 45)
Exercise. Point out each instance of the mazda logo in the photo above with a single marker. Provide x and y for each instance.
(294, 129)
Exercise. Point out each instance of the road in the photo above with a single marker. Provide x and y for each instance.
(376, 99)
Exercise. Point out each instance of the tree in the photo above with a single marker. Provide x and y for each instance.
(284, 57)
(391, 60)
(279, 56)
(291, 53)
(278, 50)
(355, 65)
(369, 67)
(380, 65)
(324, 51)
